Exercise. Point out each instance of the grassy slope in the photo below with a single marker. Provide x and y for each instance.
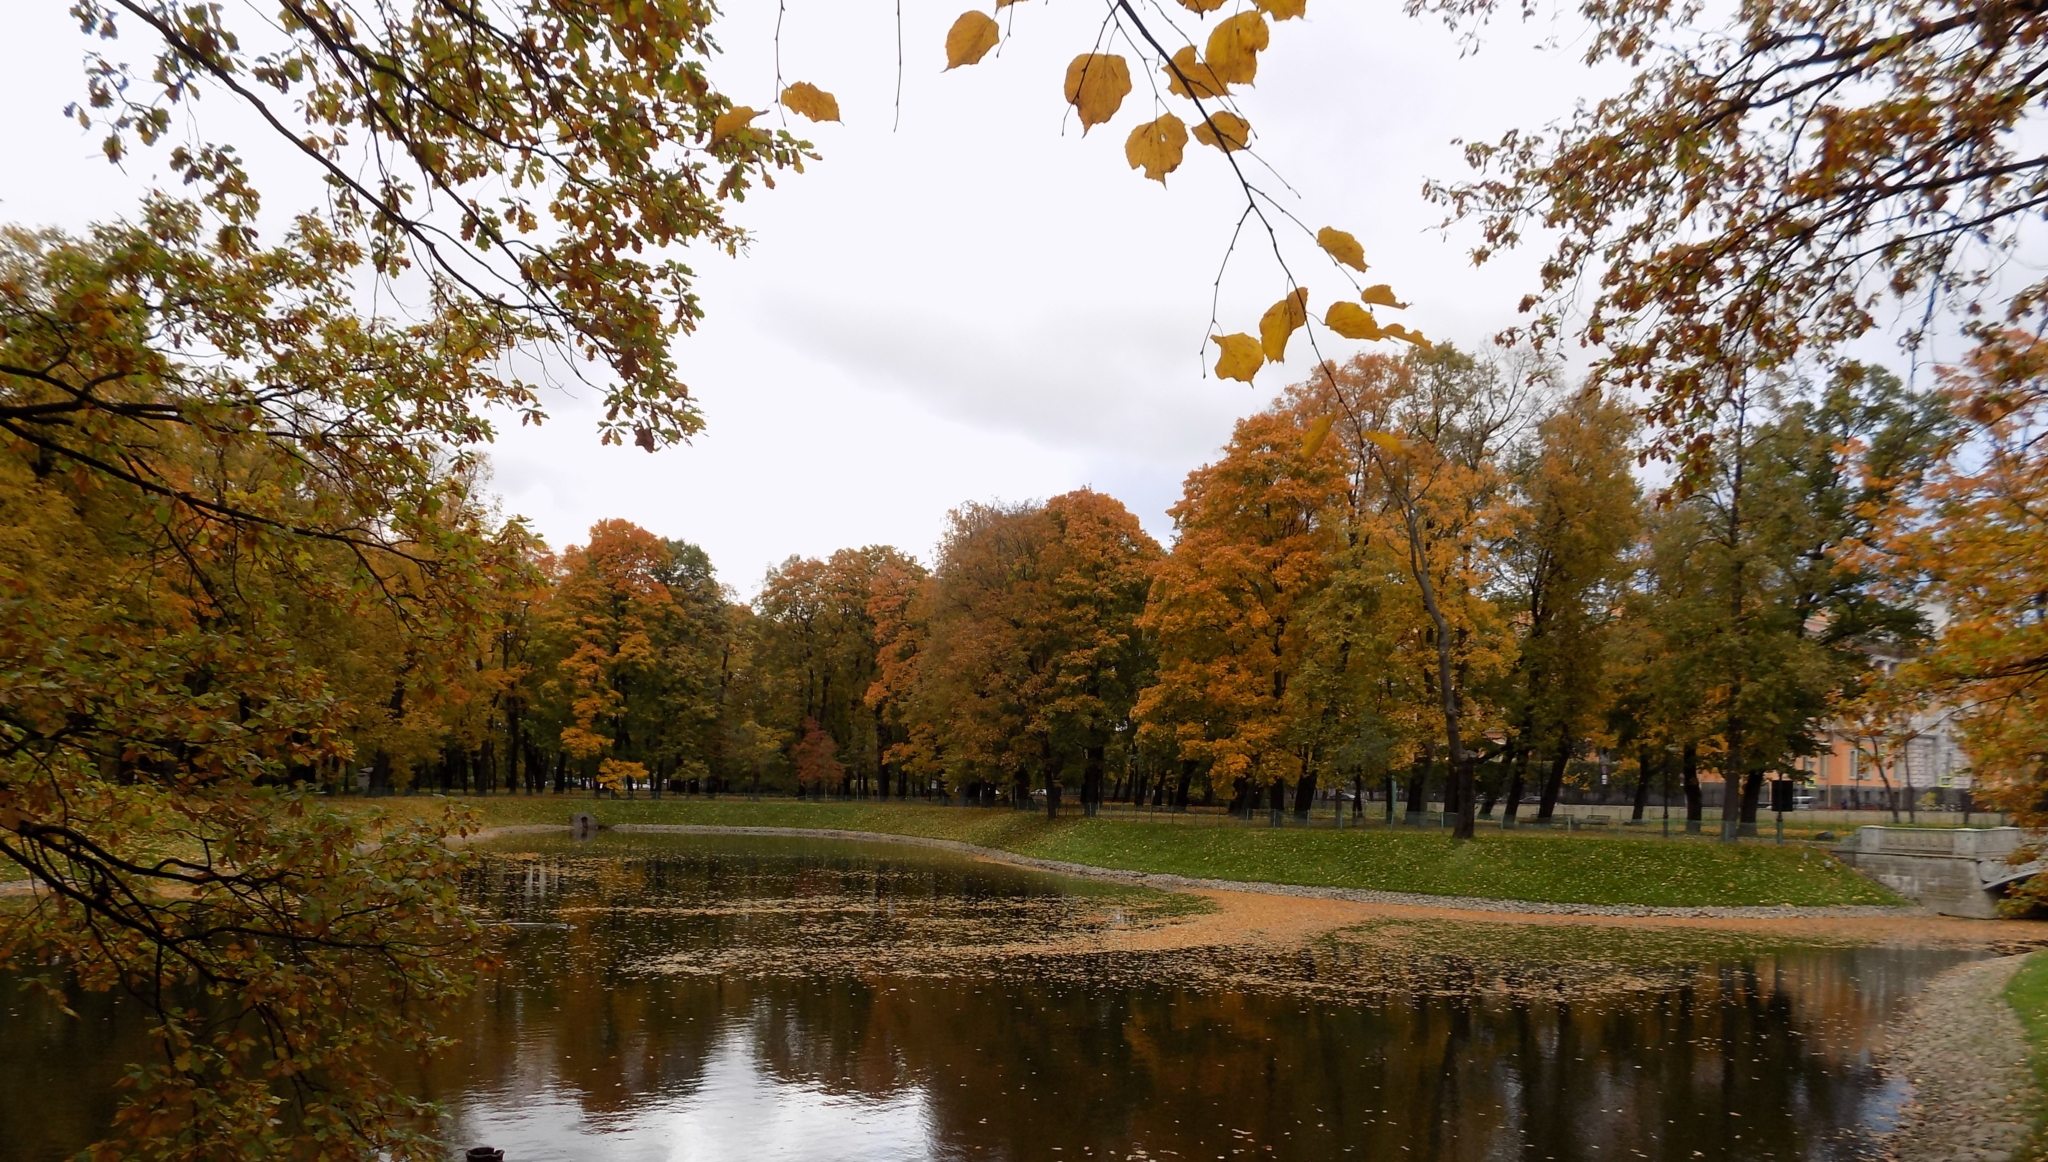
(1537, 867)
(2027, 993)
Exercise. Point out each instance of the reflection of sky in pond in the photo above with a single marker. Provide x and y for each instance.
(738, 1109)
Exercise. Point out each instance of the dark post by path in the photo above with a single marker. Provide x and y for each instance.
(483, 1154)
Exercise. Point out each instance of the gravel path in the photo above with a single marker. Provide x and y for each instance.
(1965, 1052)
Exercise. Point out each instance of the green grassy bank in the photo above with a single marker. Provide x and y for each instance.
(1548, 868)
(2027, 993)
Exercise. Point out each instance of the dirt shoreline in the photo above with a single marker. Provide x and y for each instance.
(1254, 912)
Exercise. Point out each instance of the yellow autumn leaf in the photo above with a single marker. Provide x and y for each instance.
(1352, 321)
(1235, 45)
(1239, 356)
(1405, 334)
(1202, 6)
(808, 100)
(1319, 431)
(1387, 442)
(1280, 321)
(1188, 77)
(1156, 146)
(1341, 246)
(1230, 132)
(970, 38)
(1380, 294)
(1282, 9)
(731, 121)
(1096, 85)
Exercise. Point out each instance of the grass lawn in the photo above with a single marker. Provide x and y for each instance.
(2027, 993)
(1549, 868)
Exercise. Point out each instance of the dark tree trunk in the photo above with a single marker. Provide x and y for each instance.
(1695, 800)
(1187, 778)
(1752, 796)
(1518, 775)
(1240, 797)
(1642, 784)
(1304, 794)
(1092, 761)
(1553, 781)
(1276, 800)
(1418, 785)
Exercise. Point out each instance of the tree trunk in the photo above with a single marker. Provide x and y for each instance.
(1695, 801)
(1304, 794)
(1276, 800)
(1091, 779)
(1518, 773)
(1553, 781)
(1752, 797)
(1418, 785)
(1642, 784)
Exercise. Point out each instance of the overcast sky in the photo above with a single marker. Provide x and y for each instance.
(979, 305)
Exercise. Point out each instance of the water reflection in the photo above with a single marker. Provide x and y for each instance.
(682, 998)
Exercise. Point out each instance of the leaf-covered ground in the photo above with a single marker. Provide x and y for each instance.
(1541, 868)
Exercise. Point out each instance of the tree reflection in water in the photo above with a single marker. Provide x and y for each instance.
(753, 998)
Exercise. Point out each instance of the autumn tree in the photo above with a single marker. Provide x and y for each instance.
(1429, 432)
(1973, 549)
(229, 540)
(1775, 614)
(611, 605)
(1021, 650)
(1772, 183)
(1256, 536)
(1572, 520)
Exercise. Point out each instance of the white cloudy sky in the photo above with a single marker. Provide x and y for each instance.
(976, 305)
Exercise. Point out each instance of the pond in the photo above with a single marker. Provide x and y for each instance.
(687, 997)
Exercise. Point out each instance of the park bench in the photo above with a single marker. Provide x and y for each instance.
(1595, 820)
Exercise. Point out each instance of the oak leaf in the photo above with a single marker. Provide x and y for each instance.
(1224, 130)
(1097, 83)
(1280, 322)
(1156, 146)
(808, 100)
(970, 38)
(1353, 321)
(1238, 357)
(1234, 47)
(1187, 76)
(1341, 246)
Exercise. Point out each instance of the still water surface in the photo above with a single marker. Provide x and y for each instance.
(670, 997)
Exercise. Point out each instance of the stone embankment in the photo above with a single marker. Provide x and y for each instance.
(1964, 1051)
